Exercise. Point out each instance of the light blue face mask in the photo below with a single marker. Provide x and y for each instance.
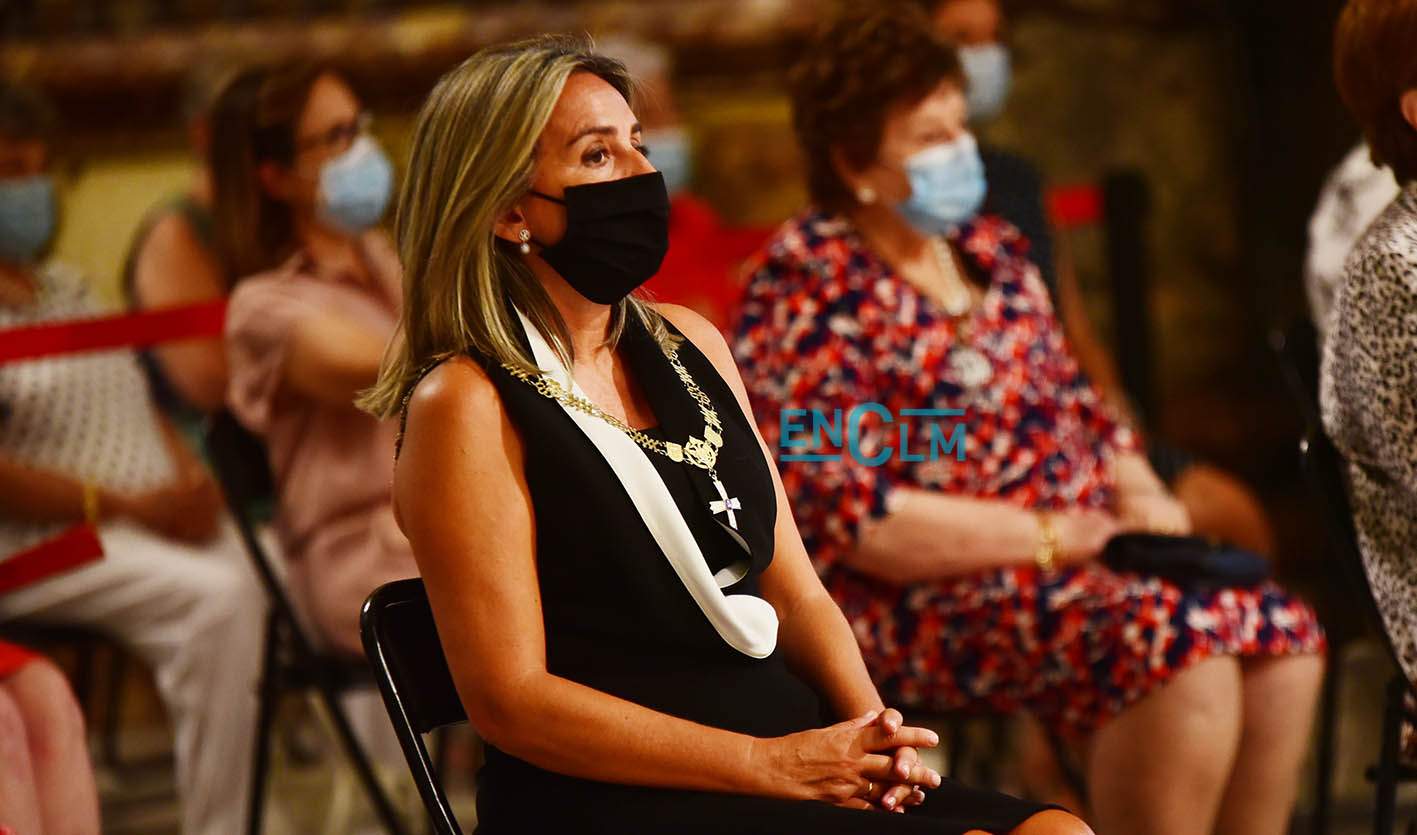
(669, 152)
(355, 187)
(988, 70)
(947, 185)
(26, 217)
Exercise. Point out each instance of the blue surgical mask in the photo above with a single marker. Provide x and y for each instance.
(986, 67)
(26, 217)
(355, 187)
(947, 185)
(669, 153)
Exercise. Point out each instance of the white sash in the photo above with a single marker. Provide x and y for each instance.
(747, 623)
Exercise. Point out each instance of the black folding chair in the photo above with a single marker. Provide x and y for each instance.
(1296, 353)
(401, 641)
(291, 660)
(1324, 474)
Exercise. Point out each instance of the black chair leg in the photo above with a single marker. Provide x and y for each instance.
(1384, 818)
(377, 796)
(83, 675)
(1322, 821)
(954, 758)
(265, 725)
(1072, 773)
(113, 706)
(441, 740)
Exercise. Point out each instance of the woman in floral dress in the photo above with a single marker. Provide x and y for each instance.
(973, 581)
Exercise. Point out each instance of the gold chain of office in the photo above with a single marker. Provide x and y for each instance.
(700, 452)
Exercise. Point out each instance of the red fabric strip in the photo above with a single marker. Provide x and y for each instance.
(1075, 205)
(137, 330)
(75, 547)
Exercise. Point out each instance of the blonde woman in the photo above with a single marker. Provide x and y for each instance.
(623, 599)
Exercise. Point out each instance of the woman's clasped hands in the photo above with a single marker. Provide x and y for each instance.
(870, 762)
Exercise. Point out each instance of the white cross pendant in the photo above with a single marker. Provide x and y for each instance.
(725, 504)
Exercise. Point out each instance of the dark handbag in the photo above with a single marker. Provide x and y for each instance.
(1188, 561)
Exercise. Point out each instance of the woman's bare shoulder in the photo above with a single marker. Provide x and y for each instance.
(700, 331)
(456, 396)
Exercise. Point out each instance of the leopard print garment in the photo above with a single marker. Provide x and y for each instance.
(1369, 399)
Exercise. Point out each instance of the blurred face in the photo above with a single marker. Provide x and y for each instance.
(27, 211)
(329, 124)
(592, 136)
(940, 117)
(969, 22)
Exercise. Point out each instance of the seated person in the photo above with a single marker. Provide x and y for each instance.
(1353, 195)
(46, 780)
(620, 591)
(299, 186)
(173, 261)
(80, 439)
(1368, 389)
(973, 583)
(1218, 503)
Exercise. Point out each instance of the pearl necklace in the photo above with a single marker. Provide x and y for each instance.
(971, 368)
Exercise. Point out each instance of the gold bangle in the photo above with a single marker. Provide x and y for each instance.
(1047, 551)
(91, 508)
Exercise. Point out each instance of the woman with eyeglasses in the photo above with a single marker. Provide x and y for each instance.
(299, 186)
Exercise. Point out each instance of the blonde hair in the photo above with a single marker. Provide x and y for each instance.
(472, 157)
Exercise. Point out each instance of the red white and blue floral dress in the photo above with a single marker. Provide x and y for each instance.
(826, 325)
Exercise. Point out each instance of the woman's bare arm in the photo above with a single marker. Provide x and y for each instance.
(36, 495)
(462, 499)
(173, 267)
(929, 535)
(332, 359)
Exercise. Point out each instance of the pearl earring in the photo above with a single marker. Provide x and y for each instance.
(525, 235)
(865, 195)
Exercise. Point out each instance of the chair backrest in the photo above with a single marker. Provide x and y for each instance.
(1126, 210)
(1296, 350)
(1324, 468)
(238, 460)
(402, 644)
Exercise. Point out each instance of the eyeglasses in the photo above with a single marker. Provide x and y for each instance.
(338, 137)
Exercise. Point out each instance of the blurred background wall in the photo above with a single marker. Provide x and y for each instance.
(1225, 106)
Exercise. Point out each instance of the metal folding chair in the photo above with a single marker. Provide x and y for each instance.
(291, 660)
(401, 641)
(1324, 473)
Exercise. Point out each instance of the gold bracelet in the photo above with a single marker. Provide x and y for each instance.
(1047, 542)
(91, 508)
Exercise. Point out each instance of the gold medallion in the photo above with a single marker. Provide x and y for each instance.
(700, 453)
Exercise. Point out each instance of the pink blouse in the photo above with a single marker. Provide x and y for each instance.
(333, 465)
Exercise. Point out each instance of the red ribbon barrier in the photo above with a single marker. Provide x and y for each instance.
(136, 330)
(75, 547)
(1075, 205)
(80, 545)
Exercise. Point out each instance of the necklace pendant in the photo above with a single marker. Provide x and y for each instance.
(712, 436)
(674, 451)
(700, 453)
(957, 304)
(972, 368)
(725, 504)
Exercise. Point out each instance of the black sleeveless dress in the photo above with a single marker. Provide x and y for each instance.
(619, 620)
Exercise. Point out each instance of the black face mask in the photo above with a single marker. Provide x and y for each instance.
(617, 233)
